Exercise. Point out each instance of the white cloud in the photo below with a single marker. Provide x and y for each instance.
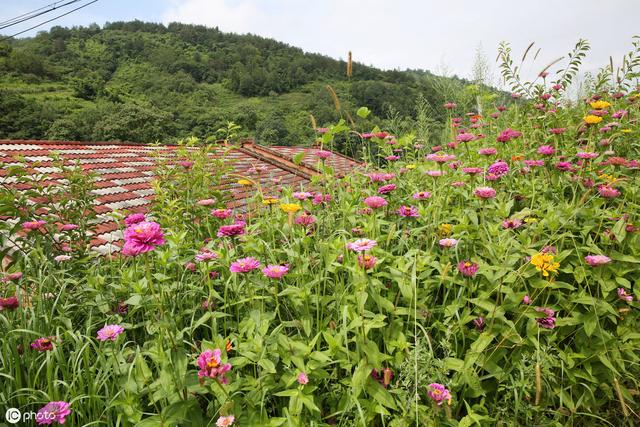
(424, 34)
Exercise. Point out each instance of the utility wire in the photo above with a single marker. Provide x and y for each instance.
(34, 14)
(46, 22)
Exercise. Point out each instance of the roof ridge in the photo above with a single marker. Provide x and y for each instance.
(274, 158)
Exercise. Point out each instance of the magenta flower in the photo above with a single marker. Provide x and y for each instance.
(422, 195)
(361, 245)
(526, 300)
(380, 176)
(548, 322)
(375, 202)
(186, 164)
(608, 192)
(508, 134)
(134, 219)
(385, 189)
(232, 230)
(622, 294)
(472, 171)
(467, 268)
(302, 378)
(367, 261)
(43, 344)
(302, 195)
(546, 150)
(62, 258)
(485, 192)
(557, 131)
(439, 393)
(69, 227)
(211, 366)
(498, 169)
(532, 163)
(619, 114)
(587, 154)
(221, 213)
(392, 158)
(110, 332)
(275, 271)
(564, 166)
(479, 323)
(11, 276)
(142, 237)
(205, 255)
(323, 154)
(53, 412)
(305, 220)
(490, 151)
(10, 303)
(320, 198)
(408, 211)
(450, 105)
(597, 260)
(33, 225)
(244, 265)
(441, 157)
(465, 137)
(511, 224)
(447, 243)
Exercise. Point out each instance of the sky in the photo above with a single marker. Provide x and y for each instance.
(441, 36)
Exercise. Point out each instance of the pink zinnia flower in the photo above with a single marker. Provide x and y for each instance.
(490, 151)
(380, 176)
(62, 258)
(546, 150)
(110, 332)
(321, 198)
(408, 211)
(323, 154)
(134, 219)
(526, 300)
(422, 195)
(385, 189)
(608, 192)
(69, 227)
(142, 237)
(206, 202)
(485, 192)
(225, 421)
(12, 276)
(619, 114)
(597, 260)
(472, 171)
(508, 134)
(43, 344)
(275, 271)
(622, 294)
(33, 225)
(375, 202)
(302, 378)
(450, 105)
(305, 220)
(468, 268)
(440, 157)
(53, 412)
(465, 137)
(511, 223)
(302, 195)
(244, 265)
(361, 245)
(548, 322)
(498, 169)
(211, 366)
(439, 393)
(531, 163)
(232, 230)
(367, 261)
(587, 154)
(447, 243)
(564, 166)
(222, 213)
(206, 255)
(392, 158)
(10, 303)
(558, 131)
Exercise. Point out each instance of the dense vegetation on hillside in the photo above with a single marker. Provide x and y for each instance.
(142, 81)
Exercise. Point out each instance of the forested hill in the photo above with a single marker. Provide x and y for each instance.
(143, 82)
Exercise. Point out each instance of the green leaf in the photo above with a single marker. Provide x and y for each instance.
(363, 112)
(297, 159)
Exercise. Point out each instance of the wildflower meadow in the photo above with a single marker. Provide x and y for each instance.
(487, 275)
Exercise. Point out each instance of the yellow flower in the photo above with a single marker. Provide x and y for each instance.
(600, 105)
(270, 201)
(530, 220)
(544, 263)
(290, 207)
(592, 120)
(410, 166)
(626, 130)
(445, 229)
(245, 182)
(608, 178)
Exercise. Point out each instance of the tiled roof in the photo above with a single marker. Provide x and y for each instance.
(124, 172)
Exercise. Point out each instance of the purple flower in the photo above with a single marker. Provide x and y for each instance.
(110, 332)
(622, 294)
(439, 393)
(134, 219)
(244, 265)
(498, 169)
(408, 211)
(548, 322)
(597, 260)
(508, 134)
(53, 412)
